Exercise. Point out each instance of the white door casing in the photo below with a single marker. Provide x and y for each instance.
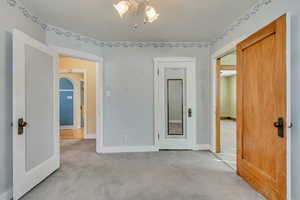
(188, 140)
(99, 90)
(35, 99)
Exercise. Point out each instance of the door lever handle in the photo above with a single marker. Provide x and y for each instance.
(280, 126)
(190, 112)
(21, 125)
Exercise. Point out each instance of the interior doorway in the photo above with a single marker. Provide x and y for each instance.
(72, 110)
(263, 107)
(226, 107)
(77, 98)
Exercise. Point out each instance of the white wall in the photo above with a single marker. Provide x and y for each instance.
(10, 18)
(269, 13)
(128, 75)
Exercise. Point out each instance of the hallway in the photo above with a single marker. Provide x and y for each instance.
(71, 134)
(176, 175)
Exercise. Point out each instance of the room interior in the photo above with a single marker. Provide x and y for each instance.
(228, 112)
(127, 44)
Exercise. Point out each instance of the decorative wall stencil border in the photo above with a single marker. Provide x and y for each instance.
(250, 13)
(76, 36)
(61, 32)
(26, 13)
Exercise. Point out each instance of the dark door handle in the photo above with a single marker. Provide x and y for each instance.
(280, 126)
(190, 112)
(21, 125)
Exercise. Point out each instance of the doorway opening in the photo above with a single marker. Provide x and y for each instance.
(263, 108)
(226, 107)
(77, 96)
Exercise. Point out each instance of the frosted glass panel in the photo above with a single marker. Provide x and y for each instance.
(175, 99)
(175, 106)
(39, 107)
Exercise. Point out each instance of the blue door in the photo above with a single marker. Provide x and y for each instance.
(66, 100)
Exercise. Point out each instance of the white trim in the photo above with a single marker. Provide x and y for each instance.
(202, 147)
(232, 46)
(127, 149)
(158, 126)
(8, 195)
(99, 88)
(289, 104)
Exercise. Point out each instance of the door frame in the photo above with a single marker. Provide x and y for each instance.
(232, 47)
(77, 90)
(218, 77)
(74, 103)
(84, 80)
(99, 88)
(157, 110)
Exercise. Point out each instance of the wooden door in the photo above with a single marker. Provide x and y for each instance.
(261, 73)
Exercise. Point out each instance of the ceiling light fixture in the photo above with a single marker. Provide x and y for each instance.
(151, 14)
(122, 7)
(133, 6)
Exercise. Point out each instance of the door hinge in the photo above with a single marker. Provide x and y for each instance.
(158, 136)
(158, 72)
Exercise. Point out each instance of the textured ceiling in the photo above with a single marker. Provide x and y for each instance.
(180, 20)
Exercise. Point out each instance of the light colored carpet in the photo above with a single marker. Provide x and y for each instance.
(165, 175)
(228, 142)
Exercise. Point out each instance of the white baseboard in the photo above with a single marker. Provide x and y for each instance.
(202, 147)
(124, 149)
(6, 195)
(212, 148)
(90, 136)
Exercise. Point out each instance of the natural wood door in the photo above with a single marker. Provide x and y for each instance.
(261, 74)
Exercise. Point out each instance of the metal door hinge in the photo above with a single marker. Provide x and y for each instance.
(158, 136)
(158, 72)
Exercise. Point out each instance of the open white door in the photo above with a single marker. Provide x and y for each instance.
(35, 113)
(175, 103)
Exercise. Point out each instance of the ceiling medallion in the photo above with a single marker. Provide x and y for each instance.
(132, 7)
